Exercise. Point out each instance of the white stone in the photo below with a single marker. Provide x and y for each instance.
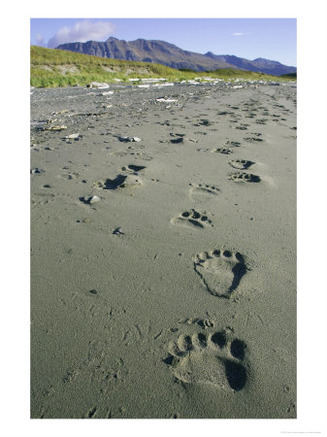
(94, 199)
(130, 139)
(166, 100)
(98, 85)
(72, 136)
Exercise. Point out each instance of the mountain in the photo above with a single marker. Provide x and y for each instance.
(159, 52)
(258, 65)
(162, 52)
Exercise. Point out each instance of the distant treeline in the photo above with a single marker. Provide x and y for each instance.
(289, 75)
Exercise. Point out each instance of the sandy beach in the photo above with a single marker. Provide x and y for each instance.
(163, 251)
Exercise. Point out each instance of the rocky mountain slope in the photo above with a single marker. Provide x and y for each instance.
(172, 56)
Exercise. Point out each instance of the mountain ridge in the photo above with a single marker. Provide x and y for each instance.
(168, 54)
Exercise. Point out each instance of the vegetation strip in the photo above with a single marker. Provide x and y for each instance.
(59, 68)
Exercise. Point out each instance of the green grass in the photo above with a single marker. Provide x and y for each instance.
(59, 68)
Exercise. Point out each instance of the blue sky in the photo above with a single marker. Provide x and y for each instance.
(250, 38)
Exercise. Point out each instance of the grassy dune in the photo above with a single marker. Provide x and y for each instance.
(59, 68)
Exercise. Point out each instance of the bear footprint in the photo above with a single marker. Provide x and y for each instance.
(134, 169)
(203, 189)
(241, 164)
(192, 218)
(121, 181)
(212, 358)
(222, 150)
(220, 271)
(244, 177)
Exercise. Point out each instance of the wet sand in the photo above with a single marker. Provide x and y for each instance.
(163, 252)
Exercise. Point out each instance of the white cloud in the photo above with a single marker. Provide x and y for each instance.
(81, 32)
(240, 33)
(39, 40)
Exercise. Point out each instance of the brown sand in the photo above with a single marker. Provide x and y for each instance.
(172, 293)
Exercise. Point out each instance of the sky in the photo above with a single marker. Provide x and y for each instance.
(250, 38)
